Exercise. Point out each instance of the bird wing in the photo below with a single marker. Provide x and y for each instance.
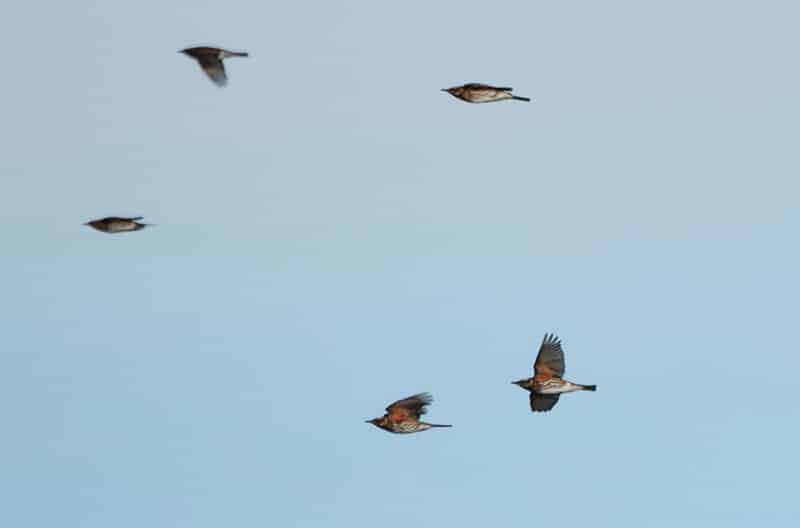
(481, 86)
(214, 69)
(550, 360)
(543, 402)
(197, 51)
(133, 219)
(410, 408)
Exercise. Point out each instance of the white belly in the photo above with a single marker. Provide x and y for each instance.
(487, 96)
(556, 387)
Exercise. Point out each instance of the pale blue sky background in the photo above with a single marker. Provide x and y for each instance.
(334, 233)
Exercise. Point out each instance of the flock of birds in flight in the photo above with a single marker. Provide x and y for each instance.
(403, 416)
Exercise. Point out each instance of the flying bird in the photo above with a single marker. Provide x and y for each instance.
(116, 224)
(210, 60)
(546, 385)
(403, 415)
(482, 93)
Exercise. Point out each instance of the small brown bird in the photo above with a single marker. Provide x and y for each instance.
(403, 415)
(546, 384)
(116, 224)
(482, 93)
(210, 60)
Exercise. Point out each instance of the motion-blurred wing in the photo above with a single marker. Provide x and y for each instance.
(214, 69)
(543, 402)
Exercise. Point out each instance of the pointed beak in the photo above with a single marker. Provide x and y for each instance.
(444, 89)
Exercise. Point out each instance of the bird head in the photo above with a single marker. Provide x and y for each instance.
(523, 383)
(189, 52)
(375, 421)
(452, 91)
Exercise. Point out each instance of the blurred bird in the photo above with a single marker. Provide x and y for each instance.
(546, 384)
(116, 224)
(482, 93)
(210, 60)
(403, 415)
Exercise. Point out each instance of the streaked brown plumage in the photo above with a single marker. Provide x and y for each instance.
(210, 60)
(482, 93)
(117, 224)
(547, 384)
(403, 415)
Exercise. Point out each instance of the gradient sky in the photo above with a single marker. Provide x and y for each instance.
(334, 233)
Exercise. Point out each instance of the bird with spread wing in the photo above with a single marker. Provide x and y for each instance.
(547, 384)
(403, 415)
(210, 60)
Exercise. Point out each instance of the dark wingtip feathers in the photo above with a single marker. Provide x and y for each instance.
(423, 397)
(551, 339)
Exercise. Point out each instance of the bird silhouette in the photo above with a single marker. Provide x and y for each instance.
(482, 93)
(116, 224)
(210, 60)
(403, 415)
(547, 384)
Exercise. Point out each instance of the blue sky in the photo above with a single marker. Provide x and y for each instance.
(334, 233)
